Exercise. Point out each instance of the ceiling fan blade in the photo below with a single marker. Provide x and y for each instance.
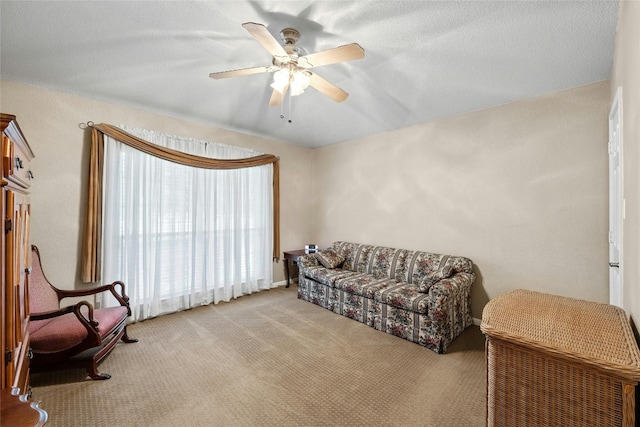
(241, 72)
(327, 88)
(338, 54)
(266, 39)
(276, 99)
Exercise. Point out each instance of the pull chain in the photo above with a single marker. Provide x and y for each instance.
(282, 115)
(282, 109)
(289, 106)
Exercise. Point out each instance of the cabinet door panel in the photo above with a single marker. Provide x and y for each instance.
(4, 379)
(16, 291)
(11, 340)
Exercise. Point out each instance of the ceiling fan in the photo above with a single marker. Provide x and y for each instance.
(291, 64)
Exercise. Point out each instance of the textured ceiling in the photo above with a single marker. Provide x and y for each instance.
(423, 59)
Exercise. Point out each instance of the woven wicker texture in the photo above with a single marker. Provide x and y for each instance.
(528, 388)
(556, 361)
(593, 332)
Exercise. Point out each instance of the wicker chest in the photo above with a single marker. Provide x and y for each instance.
(556, 361)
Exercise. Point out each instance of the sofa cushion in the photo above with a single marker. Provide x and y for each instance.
(34, 325)
(330, 258)
(327, 276)
(63, 332)
(419, 264)
(383, 261)
(356, 255)
(406, 296)
(363, 284)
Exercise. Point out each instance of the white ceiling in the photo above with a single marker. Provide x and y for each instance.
(423, 59)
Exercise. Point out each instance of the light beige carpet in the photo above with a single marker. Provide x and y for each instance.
(269, 359)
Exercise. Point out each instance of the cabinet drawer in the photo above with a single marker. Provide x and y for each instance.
(17, 163)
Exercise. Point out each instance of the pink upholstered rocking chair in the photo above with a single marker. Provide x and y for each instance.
(78, 336)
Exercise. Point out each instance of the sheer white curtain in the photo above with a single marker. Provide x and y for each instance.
(180, 236)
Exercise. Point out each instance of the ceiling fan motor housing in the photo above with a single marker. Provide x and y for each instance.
(289, 36)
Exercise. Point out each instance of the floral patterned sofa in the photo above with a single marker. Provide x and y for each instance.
(419, 296)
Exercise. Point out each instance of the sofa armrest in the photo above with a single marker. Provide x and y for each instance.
(458, 283)
(452, 295)
(306, 261)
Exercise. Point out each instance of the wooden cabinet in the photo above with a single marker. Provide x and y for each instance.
(16, 264)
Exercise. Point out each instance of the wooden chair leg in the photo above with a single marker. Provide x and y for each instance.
(126, 338)
(92, 371)
(92, 366)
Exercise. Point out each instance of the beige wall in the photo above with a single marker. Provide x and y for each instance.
(626, 74)
(50, 122)
(521, 189)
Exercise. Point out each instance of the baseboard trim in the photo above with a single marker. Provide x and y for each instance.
(292, 283)
(477, 321)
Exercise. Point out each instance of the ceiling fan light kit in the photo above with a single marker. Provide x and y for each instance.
(291, 64)
(294, 78)
(281, 80)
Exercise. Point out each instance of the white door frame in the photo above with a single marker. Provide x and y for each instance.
(616, 201)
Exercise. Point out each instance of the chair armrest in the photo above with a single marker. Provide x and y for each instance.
(72, 293)
(87, 320)
(120, 294)
(51, 314)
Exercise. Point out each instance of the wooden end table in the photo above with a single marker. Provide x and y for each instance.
(293, 257)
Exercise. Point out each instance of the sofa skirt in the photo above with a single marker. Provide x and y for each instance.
(449, 314)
